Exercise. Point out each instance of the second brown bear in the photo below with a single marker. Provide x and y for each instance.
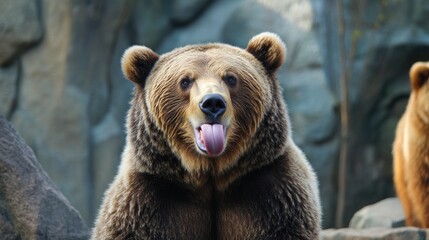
(411, 150)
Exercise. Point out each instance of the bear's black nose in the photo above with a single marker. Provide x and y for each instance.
(213, 105)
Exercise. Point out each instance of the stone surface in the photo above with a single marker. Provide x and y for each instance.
(31, 206)
(19, 27)
(408, 233)
(387, 213)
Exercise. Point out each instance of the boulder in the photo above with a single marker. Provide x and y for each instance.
(31, 206)
(387, 213)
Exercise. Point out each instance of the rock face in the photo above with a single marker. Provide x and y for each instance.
(31, 206)
(62, 87)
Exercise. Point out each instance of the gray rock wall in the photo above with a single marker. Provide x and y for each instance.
(61, 84)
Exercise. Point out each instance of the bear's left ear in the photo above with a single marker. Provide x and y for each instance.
(137, 62)
(269, 49)
(419, 74)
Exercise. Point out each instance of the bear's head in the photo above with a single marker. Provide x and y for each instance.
(206, 103)
(419, 77)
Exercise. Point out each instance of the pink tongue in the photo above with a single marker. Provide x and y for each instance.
(213, 135)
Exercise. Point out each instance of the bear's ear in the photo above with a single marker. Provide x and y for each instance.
(137, 62)
(419, 74)
(269, 49)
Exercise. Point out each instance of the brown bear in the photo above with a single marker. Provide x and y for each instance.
(411, 150)
(209, 153)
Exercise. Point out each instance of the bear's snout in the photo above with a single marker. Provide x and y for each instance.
(213, 106)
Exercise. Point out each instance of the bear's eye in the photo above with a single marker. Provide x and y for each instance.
(230, 80)
(185, 83)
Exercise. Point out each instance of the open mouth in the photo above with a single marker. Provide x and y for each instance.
(210, 138)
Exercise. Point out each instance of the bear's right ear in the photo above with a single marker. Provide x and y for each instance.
(137, 62)
(419, 74)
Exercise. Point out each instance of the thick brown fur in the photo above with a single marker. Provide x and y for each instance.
(261, 185)
(411, 150)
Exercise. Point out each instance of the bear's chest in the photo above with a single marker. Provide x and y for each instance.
(258, 206)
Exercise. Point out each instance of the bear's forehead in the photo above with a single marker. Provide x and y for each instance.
(216, 58)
